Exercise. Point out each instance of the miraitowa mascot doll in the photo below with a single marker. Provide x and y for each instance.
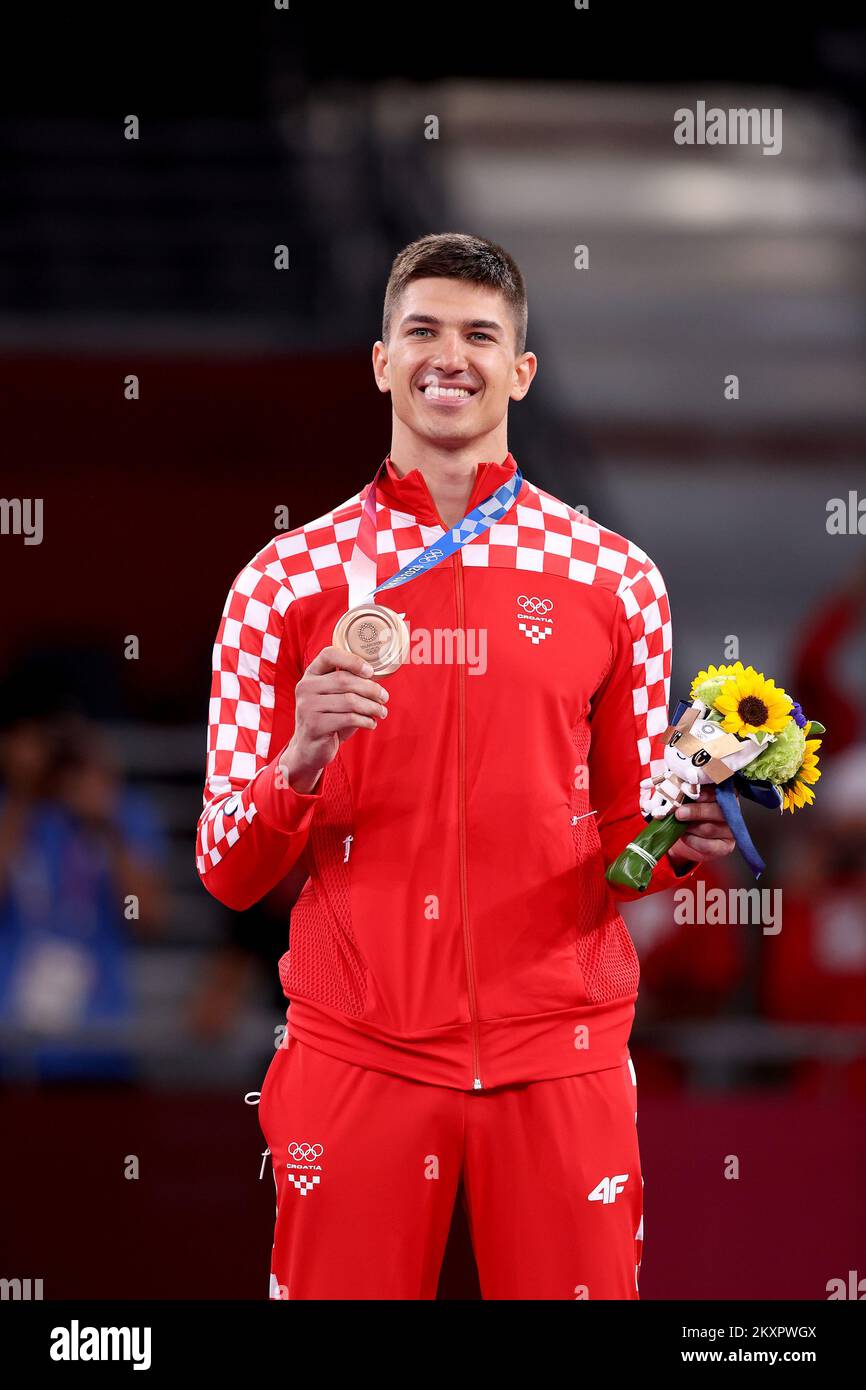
(745, 735)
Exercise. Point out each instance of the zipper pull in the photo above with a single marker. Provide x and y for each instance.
(348, 843)
(476, 1085)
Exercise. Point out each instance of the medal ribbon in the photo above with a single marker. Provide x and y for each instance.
(362, 565)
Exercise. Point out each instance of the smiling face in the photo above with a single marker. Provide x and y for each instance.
(690, 766)
(450, 363)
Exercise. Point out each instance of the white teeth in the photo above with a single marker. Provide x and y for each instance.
(452, 393)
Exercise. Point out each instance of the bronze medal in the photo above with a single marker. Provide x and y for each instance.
(375, 633)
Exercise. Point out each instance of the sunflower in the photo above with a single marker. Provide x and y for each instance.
(751, 704)
(707, 684)
(797, 792)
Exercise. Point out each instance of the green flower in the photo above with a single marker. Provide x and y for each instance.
(708, 682)
(708, 691)
(780, 760)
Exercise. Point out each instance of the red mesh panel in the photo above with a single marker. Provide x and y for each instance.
(323, 961)
(284, 972)
(605, 952)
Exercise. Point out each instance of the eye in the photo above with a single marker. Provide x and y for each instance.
(701, 757)
(479, 334)
(675, 738)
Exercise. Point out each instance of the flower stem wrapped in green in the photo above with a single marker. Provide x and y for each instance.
(633, 866)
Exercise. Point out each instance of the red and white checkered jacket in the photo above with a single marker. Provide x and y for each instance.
(456, 926)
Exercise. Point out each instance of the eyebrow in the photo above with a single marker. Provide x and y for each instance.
(437, 323)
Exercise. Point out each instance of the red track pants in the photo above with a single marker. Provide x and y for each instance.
(367, 1167)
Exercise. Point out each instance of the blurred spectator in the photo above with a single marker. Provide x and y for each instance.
(254, 942)
(75, 846)
(814, 971)
(827, 658)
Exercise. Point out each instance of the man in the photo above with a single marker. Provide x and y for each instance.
(461, 983)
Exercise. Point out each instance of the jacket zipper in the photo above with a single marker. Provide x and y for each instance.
(461, 824)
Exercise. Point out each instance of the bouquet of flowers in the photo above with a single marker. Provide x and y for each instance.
(741, 732)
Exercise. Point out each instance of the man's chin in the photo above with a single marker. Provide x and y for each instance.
(444, 432)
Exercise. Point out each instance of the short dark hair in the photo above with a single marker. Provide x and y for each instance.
(458, 256)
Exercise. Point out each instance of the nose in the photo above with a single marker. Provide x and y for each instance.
(451, 353)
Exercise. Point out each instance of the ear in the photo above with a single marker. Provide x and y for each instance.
(381, 367)
(525, 367)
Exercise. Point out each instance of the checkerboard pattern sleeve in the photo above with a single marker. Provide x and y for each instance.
(253, 825)
(629, 713)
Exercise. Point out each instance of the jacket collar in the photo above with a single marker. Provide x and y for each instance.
(411, 494)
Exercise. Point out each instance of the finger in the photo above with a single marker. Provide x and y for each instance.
(700, 810)
(335, 659)
(337, 723)
(346, 702)
(336, 681)
(710, 830)
(686, 851)
(707, 793)
(703, 848)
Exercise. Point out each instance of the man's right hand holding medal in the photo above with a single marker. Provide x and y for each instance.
(333, 699)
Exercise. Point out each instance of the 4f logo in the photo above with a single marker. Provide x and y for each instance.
(608, 1189)
(305, 1172)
